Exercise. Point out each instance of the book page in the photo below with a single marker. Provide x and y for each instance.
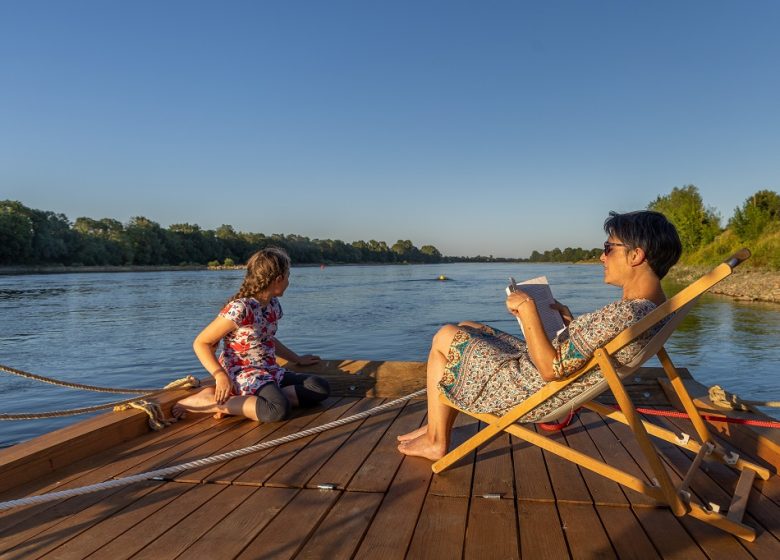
(539, 290)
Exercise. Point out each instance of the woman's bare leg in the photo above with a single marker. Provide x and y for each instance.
(432, 441)
(423, 429)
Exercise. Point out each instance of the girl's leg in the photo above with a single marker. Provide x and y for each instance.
(431, 441)
(270, 404)
(308, 390)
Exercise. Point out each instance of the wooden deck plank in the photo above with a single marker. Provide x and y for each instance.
(91, 470)
(567, 481)
(393, 526)
(342, 465)
(626, 533)
(229, 432)
(232, 469)
(31, 542)
(301, 468)
(492, 530)
(603, 491)
(668, 535)
(716, 544)
(441, 528)
(456, 481)
(377, 471)
(284, 536)
(584, 533)
(532, 479)
(541, 534)
(614, 453)
(110, 528)
(280, 456)
(340, 533)
(234, 532)
(137, 537)
(177, 538)
(493, 469)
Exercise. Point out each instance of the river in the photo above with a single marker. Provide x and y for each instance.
(135, 329)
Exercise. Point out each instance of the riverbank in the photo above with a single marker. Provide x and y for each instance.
(62, 269)
(745, 284)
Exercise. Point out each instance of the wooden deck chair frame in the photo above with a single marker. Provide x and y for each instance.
(678, 498)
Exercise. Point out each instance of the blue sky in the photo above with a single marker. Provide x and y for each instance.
(490, 127)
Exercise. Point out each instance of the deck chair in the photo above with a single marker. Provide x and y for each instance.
(678, 498)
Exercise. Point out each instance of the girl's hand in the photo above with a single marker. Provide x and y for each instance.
(222, 390)
(307, 360)
(563, 310)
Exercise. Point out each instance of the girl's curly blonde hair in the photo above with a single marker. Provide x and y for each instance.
(262, 268)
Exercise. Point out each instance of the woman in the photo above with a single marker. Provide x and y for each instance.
(248, 381)
(481, 369)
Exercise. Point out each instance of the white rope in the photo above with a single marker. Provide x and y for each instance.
(162, 473)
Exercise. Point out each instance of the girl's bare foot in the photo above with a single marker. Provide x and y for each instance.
(178, 412)
(413, 434)
(202, 401)
(423, 447)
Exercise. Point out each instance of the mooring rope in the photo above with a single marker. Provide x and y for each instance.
(183, 383)
(60, 383)
(166, 472)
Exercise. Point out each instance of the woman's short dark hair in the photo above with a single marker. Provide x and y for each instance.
(651, 232)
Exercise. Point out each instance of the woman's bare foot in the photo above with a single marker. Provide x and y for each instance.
(423, 447)
(413, 434)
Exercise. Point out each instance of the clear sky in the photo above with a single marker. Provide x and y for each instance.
(483, 127)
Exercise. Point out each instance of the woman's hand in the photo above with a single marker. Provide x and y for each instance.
(222, 390)
(307, 360)
(516, 300)
(563, 310)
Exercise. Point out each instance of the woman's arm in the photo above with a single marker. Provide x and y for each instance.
(204, 345)
(283, 352)
(540, 348)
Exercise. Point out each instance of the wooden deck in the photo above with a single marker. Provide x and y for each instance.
(510, 500)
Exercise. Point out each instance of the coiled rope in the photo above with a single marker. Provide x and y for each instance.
(168, 471)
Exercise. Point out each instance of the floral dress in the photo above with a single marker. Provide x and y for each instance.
(249, 352)
(490, 371)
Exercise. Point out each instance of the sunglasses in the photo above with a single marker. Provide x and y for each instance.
(608, 247)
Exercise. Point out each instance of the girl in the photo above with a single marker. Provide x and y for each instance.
(249, 382)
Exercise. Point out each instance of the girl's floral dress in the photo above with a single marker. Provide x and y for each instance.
(491, 371)
(249, 352)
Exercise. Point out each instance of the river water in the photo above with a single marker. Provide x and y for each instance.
(135, 329)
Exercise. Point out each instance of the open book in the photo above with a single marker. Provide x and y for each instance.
(539, 290)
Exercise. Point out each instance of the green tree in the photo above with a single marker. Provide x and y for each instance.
(430, 254)
(16, 233)
(147, 240)
(684, 207)
(758, 213)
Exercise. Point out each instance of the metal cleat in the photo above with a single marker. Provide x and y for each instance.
(683, 439)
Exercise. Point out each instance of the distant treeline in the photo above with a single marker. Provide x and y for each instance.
(39, 237)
